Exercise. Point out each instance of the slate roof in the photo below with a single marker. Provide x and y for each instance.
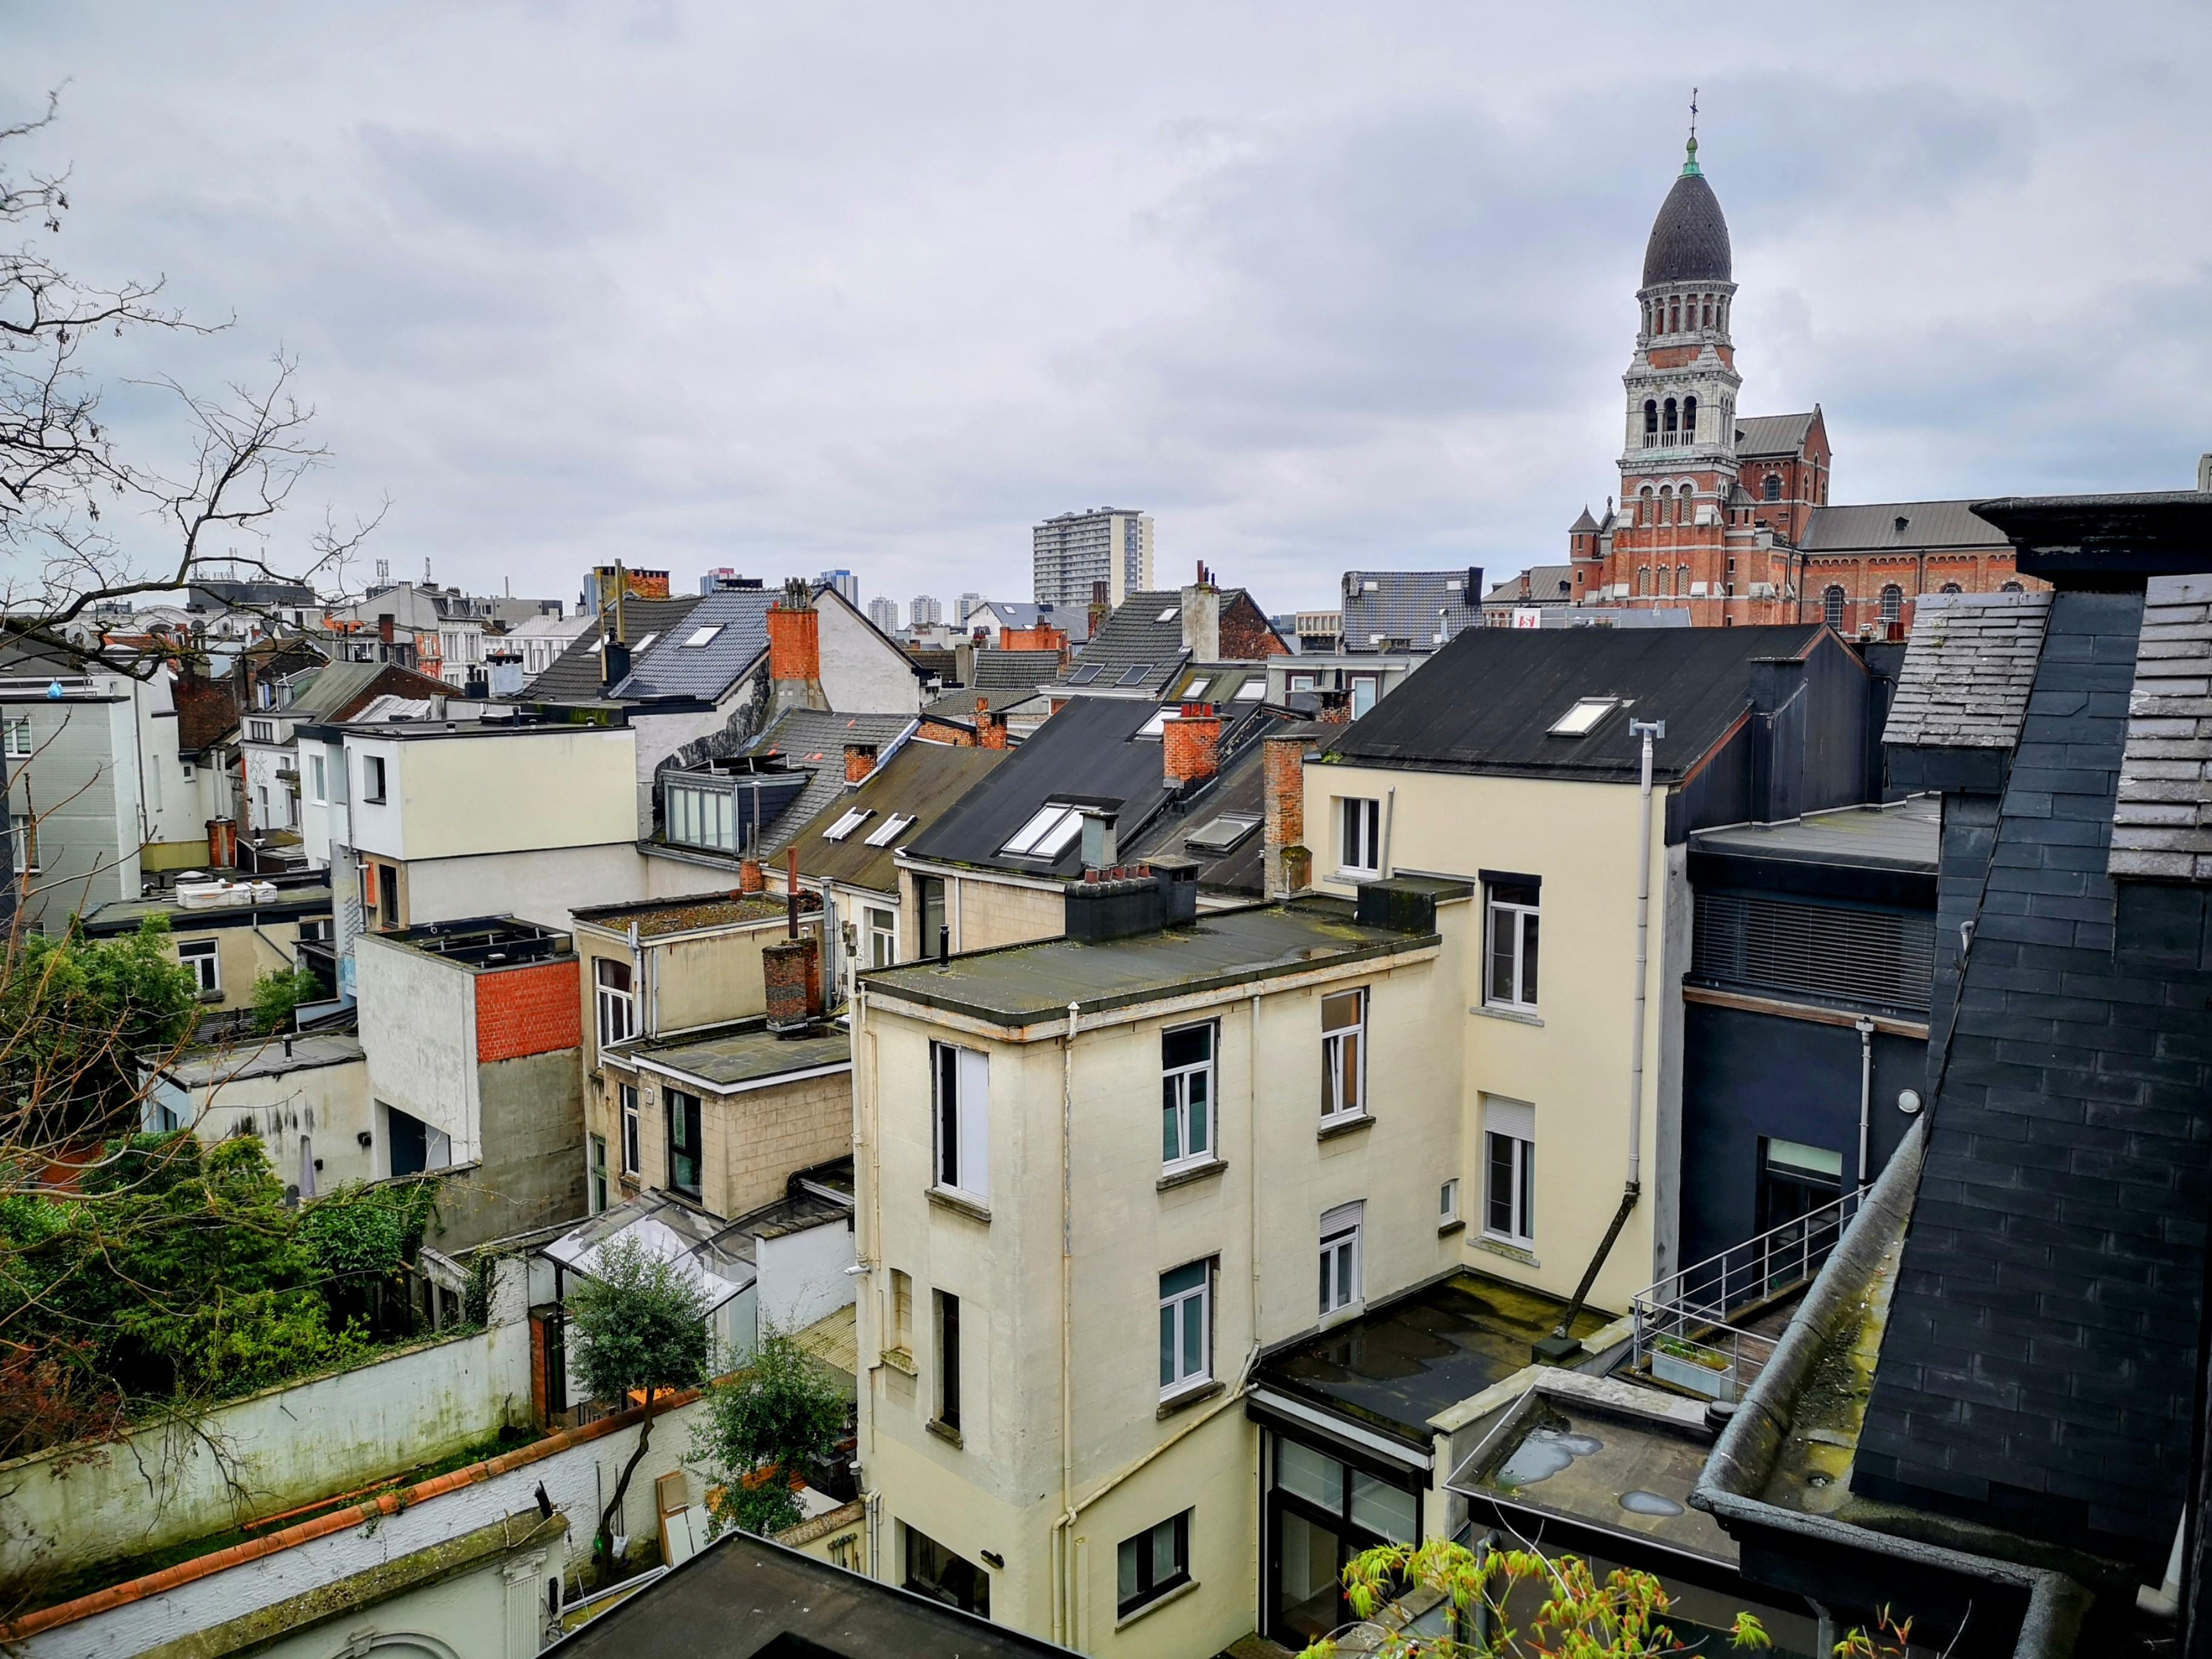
(1871, 527)
(1486, 702)
(2162, 819)
(1140, 634)
(923, 779)
(1540, 583)
(2038, 1368)
(1772, 434)
(573, 676)
(1689, 237)
(1230, 858)
(1010, 671)
(815, 742)
(1404, 606)
(940, 661)
(672, 667)
(1969, 667)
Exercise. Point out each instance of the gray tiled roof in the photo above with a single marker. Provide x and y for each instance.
(1968, 669)
(670, 668)
(1540, 583)
(1872, 527)
(2162, 820)
(811, 740)
(1141, 633)
(1403, 606)
(573, 676)
(1010, 671)
(1772, 434)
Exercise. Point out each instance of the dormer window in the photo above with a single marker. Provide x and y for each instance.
(1578, 721)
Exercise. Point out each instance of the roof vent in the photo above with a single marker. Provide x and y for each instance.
(1902, 521)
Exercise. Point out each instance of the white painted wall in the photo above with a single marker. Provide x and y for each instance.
(543, 885)
(802, 1275)
(418, 1024)
(518, 791)
(861, 672)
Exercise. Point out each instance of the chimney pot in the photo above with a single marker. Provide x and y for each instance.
(1190, 745)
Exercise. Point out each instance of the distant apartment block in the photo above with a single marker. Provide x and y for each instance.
(924, 612)
(1076, 550)
(846, 584)
(723, 579)
(884, 613)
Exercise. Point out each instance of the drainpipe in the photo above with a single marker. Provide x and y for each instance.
(1252, 1168)
(1865, 1029)
(1389, 822)
(1562, 1345)
(1064, 1529)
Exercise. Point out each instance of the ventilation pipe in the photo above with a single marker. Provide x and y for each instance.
(1865, 1029)
(1562, 1344)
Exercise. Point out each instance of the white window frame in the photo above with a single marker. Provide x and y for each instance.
(1520, 919)
(633, 1149)
(883, 931)
(1187, 1370)
(1340, 1264)
(1047, 834)
(1176, 1104)
(204, 957)
(1508, 1171)
(616, 1004)
(852, 819)
(700, 637)
(1300, 683)
(372, 779)
(1448, 1202)
(319, 777)
(1371, 686)
(1359, 835)
(23, 843)
(1583, 719)
(17, 742)
(1341, 1104)
(960, 1115)
(892, 827)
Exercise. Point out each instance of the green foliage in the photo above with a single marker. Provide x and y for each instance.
(76, 1016)
(637, 1324)
(368, 1233)
(1623, 1617)
(278, 997)
(784, 1411)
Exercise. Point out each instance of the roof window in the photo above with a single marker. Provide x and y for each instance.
(1252, 690)
(1083, 675)
(1223, 833)
(845, 826)
(1136, 676)
(1047, 834)
(1155, 727)
(892, 827)
(702, 636)
(1169, 614)
(644, 642)
(1199, 689)
(1578, 721)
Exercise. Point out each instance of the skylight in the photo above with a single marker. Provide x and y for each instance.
(1169, 614)
(893, 826)
(1083, 675)
(1047, 834)
(1156, 727)
(644, 642)
(1253, 689)
(845, 826)
(1223, 833)
(702, 636)
(1577, 721)
(1199, 691)
(1134, 676)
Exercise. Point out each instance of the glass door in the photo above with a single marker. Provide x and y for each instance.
(1322, 1512)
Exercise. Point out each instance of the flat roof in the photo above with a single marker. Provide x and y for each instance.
(1415, 1357)
(692, 913)
(124, 916)
(744, 1052)
(1903, 835)
(271, 1056)
(1022, 984)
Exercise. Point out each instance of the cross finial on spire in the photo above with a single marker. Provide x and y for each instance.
(1690, 168)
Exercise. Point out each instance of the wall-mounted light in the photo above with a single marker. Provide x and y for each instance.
(1908, 1101)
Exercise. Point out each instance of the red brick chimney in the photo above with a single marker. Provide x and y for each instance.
(990, 728)
(1043, 637)
(1283, 804)
(750, 879)
(795, 651)
(1101, 607)
(1190, 747)
(791, 970)
(860, 761)
(1336, 709)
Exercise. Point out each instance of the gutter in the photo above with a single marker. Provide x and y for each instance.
(1744, 1455)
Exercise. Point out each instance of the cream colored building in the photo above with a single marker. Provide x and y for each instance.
(228, 946)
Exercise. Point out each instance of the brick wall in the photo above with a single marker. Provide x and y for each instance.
(1191, 745)
(938, 731)
(528, 1010)
(1245, 635)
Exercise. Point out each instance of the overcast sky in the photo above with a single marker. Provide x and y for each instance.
(879, 286)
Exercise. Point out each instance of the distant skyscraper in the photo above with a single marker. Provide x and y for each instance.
(884, 613)
(967, 603)
(846, 584)
(924, 612)
(1110, 544)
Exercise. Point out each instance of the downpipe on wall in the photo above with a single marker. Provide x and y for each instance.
(1063, 1529)
(1865, 1029)
(1562, 1344)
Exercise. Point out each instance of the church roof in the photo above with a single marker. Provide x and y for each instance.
(1583, 526)
(1689, 239)
(1772, 434)
(1898, 526)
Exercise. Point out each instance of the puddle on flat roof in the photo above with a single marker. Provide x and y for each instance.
(1542, 1453)
(1649, 1503)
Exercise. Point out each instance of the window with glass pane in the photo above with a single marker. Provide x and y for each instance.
(631, 1162)
(1366, 689)
(1513, 917)
(1386, 1509)
(1340, 1258)
(1154, 1562)
(1315, 1476)
(618, 1007)
(1186, 1327)
(882, 938)
(1343, 1055)
(962, 1078)
(684, 1143)
(1360, 842)
(599, 1174)
(1509, 1169)
(1186, 1095)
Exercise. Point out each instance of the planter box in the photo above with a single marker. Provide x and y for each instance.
(1689, 1374)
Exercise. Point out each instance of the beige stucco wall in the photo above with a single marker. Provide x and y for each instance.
(982, 914)
(468, 795)
(754, 1140)
(328, 1106)
(685, 983)
(244, 954)
(1572, 1062)
(1258, 1218)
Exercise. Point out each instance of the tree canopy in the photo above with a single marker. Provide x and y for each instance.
(782, 1415)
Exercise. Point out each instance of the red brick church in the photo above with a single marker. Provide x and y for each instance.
(1728, 515)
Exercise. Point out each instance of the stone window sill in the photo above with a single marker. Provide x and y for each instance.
(1506, 1248)
(1155, 1603)
(1188, 1173)
(1344, 1126)
(944, 1432)
(1189, 1397)
(1518, 1016)
(946, 1199)
(1448, 1228)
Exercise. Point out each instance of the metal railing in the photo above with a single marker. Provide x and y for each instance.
(1690, 1327)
